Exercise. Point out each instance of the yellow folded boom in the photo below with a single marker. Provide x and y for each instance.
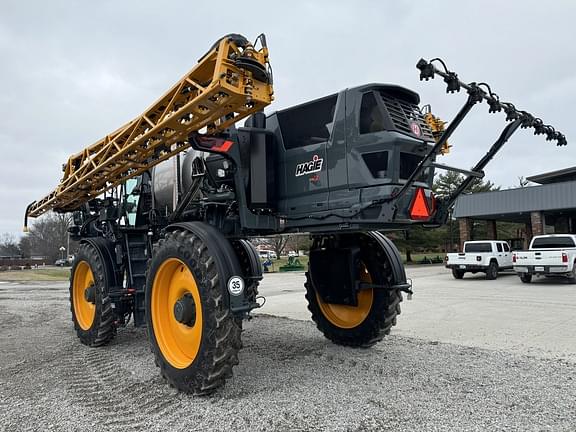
(229, 83)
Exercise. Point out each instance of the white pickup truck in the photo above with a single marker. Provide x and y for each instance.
(548, 255)
(488, 256)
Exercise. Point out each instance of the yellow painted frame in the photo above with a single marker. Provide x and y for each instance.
(214, 94)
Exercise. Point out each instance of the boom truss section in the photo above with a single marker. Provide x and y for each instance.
(232, 81)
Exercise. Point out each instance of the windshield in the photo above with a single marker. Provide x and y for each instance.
(552, 243)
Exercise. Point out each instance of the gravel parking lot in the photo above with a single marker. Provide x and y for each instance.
(466, 355)
(536, 319)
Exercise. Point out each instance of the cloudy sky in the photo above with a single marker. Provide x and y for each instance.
(72, 71)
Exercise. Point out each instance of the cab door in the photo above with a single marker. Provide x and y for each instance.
(306, 131)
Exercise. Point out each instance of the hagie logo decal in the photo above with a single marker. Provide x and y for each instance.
(415, 129)
(309, 167)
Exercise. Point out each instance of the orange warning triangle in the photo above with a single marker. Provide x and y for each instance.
(419, 208)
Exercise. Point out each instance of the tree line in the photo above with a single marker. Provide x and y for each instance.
(45, 238)
(49, 233)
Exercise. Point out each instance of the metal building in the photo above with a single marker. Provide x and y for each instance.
(547, 208)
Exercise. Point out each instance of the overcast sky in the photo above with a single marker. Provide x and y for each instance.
(73, 71)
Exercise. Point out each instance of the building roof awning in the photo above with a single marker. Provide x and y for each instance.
(499, 204)
(565, 174)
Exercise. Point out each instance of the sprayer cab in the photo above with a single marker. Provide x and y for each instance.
(335, 163)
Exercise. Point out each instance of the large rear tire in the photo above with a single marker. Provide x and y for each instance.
(368, 322)
(194, 337)
(91, 307)
(526, 278)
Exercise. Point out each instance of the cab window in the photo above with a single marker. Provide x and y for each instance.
(131, 203)
(477, 247)
(371, 118)
(308, 124)
(499, 247)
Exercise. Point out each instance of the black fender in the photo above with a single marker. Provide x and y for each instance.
(106, 253)
(248, 253)
(221, 249)
(399, 280)
(251, 266)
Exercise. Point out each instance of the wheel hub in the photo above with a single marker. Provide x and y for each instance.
(90, 294)
(185, 310)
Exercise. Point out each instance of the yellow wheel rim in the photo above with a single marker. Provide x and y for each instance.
(179, 343)
(83, 309)
(348, 317)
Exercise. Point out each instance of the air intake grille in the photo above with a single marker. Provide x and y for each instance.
(404, 114)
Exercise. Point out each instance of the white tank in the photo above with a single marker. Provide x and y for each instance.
(164, 177)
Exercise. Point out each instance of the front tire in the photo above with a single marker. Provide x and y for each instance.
(367, 323)
(91, 307)
(192, 333)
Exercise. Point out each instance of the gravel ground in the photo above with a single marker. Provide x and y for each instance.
(289, 378)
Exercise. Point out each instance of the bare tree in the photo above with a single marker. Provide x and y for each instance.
(298, 242)
(49, 234)
(25, 246)
(522, 182)
(278, 244)
(9, 245)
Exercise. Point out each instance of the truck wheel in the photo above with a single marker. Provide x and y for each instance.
(492, 271)
(90, 304)
(526, 277)
(192, 332)
(362, 325)
(572, 277)
(458, 274)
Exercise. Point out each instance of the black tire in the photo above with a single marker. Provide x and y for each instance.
(492, 271)
(384, 309)
(219, 331)
(102, 329)
(526, 277)
(572, 277)
(458, 274)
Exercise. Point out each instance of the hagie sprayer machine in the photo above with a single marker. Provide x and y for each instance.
(164, 207)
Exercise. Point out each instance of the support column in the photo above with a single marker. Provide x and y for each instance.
(562, 225)
(527, 235)
(465, 226)
(491, 230)
(537, 223)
